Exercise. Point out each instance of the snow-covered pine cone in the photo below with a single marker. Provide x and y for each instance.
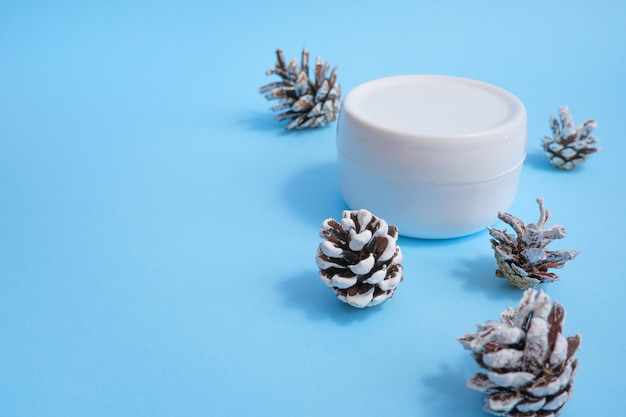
(308, 103)
(569, 145)
(360, 258)
(529, 364)
(523, 259)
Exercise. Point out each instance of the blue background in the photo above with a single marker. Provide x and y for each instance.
(158, 229)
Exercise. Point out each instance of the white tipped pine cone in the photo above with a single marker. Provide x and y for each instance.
(523, 259)
(360, 259)
(309, 103)
(529, 364)
(569, 145)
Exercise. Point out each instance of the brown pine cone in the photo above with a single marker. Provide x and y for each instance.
(529, 364)
(523, 259)
(570, 145)
(360, 260)
(308, 103)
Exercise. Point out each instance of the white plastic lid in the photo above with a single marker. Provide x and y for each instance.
(432, 128)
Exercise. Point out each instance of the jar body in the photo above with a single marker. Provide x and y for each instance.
(428, 210)
(436, 156)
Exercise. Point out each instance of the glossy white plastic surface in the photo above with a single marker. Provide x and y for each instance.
(437, 156)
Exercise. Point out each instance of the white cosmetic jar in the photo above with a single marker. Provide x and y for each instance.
(437, 156)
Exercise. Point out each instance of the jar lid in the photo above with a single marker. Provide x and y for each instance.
(432, 128)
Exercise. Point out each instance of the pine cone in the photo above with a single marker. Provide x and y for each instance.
(529, 363)
(524, 260)
(360, 260)
(569, 145)
(308, 103)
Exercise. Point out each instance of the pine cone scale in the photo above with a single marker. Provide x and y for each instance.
(503, 359)
(481, 382)
(364, 266)
(503, 402)
(343, 282)
(555, 323)
(530, 407)
(573, 343)
(511, 379)
(376, 277)
(394, 277)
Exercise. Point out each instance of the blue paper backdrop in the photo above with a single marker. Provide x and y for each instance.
(158, 229)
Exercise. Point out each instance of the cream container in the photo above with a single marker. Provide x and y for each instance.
(436, 156)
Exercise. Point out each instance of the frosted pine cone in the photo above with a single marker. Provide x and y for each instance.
(529, 364)
(569, 145)
(309, 103)
(360, 260)
(524, 259)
